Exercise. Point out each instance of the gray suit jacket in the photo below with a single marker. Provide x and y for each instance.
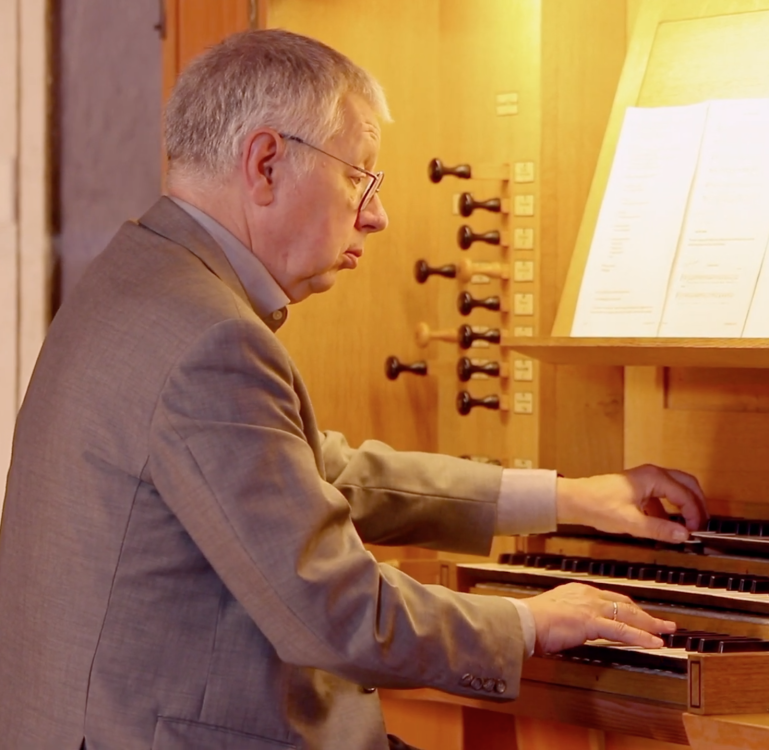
(181, 558)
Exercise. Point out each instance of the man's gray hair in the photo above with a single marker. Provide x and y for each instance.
(267, 78)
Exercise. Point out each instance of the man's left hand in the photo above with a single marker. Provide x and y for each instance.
(630, 502)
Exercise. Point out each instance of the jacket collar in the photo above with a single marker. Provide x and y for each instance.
(173, 223)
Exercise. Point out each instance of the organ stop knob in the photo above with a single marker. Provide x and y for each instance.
(422, 271)
(466, 403)
(437, 170)
(467, 335)
(394, 367)
(466, 237)
(466, 303)
(467, 204)
(466, 368)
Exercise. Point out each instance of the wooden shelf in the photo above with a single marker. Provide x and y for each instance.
(751, 353)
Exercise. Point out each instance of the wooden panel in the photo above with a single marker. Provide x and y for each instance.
(535, 734)
(642, 718)
(717, 390)
(203, 23)
(724, 56)
(717, 45)
(728, 683)
(428, 726)
(341, 339)
(747, 732)
(616, 741)
(668, 352)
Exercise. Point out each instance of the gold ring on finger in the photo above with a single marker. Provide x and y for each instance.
(615, 610)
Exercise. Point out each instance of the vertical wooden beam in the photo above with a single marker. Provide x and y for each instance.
(9, 143)
(259, 14)
(34, 248)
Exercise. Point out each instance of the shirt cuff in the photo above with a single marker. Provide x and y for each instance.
(528, 628)
(526, 502)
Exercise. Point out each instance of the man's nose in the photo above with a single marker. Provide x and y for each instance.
(373, 218)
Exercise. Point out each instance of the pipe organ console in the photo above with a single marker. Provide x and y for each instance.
(507, 82)
(716, 587)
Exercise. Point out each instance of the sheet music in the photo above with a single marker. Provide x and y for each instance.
(726, 228)
(626, 278)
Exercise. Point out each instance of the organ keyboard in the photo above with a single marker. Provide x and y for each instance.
(716, 589)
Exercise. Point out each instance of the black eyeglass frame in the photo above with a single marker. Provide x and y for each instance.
(375, 178)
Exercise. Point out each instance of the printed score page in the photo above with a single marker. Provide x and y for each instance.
(726, 230)
(628, 269)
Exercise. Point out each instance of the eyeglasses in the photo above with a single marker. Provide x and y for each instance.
(374, 178)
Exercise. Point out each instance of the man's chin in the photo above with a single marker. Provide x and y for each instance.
(316, 285)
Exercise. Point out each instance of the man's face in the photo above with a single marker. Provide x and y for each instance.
(323, 230)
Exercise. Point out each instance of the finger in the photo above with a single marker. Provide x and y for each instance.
(631, 614)
(653, 507)
(661, 529)
(621, 632)
(611, 596)
(679, 493)
(689, 480)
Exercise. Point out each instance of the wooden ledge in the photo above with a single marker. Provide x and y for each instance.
(737, 732)
(567, 350)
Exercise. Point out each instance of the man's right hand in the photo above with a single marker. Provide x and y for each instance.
(569, 615)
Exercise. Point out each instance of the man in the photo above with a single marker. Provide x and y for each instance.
(182, 560)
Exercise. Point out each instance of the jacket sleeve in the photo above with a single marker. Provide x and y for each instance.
(423, 499)
(229, 456)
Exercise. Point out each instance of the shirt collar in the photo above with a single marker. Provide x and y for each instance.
(267, 298)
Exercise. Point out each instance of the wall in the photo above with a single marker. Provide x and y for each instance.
(108, 90)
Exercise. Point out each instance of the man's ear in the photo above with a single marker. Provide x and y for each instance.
(261, 151)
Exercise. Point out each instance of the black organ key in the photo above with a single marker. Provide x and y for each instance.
(683, 577)
(614, 568)
(437, 170)
(548, 562)
(468, 204)
(647, 573)
(575, 565)
(422, 271)
(466, 303)
(713, 643)
(759, 586)
(466, 237)
(680, 638)
(594, 567)
(512, 558)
